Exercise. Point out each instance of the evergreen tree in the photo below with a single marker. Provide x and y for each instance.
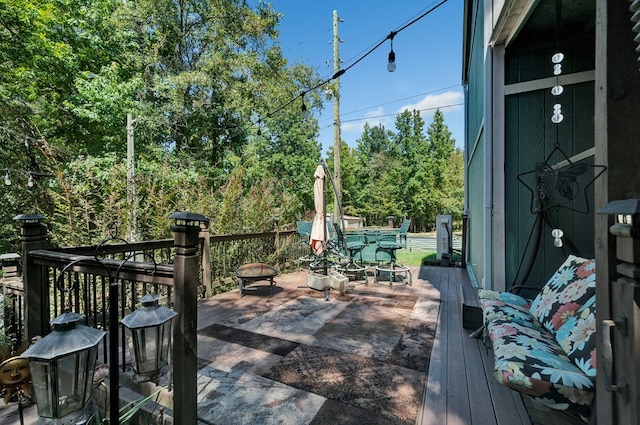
(445, 172)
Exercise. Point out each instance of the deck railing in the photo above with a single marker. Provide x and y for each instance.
(105, 282)
(139, 268)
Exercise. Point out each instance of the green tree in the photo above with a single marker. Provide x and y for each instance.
(349, 172)
(199, 76)
(445, 172)
(413, 148)
(372, 154)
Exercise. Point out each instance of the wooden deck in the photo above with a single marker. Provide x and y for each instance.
(460, 388)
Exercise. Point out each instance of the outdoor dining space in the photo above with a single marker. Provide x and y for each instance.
(361, 252)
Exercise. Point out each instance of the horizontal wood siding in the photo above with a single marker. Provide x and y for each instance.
(475, 95)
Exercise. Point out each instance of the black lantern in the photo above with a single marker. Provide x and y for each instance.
(62, 366)
(626, 212)
(149, 333)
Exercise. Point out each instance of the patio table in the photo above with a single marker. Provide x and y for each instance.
(254, 272)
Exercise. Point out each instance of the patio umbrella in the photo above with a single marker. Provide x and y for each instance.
(319, 227)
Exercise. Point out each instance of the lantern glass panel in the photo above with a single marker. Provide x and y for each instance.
(72, 378)
(149, 347)
(42, 377)
(63, 386)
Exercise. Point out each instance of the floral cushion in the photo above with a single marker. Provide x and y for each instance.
(572, 285)
(496, 309)
(531, 361)
(506, 297)
(577, 336)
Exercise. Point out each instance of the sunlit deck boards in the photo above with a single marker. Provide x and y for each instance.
(460, 388)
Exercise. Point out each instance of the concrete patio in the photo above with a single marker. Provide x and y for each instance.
(294, 358)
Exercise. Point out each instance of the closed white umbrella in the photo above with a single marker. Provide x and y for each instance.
(319, 227)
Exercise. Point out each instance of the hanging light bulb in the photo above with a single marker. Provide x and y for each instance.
(391, 65)
(305, 111)
(7, 179)
(30, 181)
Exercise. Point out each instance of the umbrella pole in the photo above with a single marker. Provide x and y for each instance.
(324, 224)
(335, 191)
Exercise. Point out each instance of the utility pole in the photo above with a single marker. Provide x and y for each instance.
(131, 181)
(336, 119)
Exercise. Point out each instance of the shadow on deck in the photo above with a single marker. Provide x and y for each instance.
(293, 358)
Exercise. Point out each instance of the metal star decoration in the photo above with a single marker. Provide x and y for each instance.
(560, 184)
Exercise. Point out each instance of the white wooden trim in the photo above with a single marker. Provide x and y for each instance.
(549, 82)
(498, 226)
(513, 16)
(575, 158)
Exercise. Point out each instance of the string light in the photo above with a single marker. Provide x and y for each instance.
(305, 112)
(31, 179)
(391, 65)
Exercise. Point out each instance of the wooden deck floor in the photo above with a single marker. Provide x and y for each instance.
(460, 389)
(460, 386)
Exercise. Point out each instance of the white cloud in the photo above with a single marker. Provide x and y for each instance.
(374, 117)
(448, 102)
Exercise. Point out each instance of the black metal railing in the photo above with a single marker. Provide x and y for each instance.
(139, 268)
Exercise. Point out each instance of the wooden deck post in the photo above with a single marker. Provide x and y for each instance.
(184, 352)
(205, 261)
(617, 101)
(33, 235)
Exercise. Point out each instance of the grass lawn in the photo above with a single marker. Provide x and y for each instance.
(413, 258)
(418, 258)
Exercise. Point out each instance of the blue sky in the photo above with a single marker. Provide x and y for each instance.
(428, 58)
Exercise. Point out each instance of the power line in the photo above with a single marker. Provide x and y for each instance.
(453, 105)
(365, 52)
(342, 71)
(394, 101)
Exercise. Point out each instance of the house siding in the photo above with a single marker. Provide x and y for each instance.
(474, 148)
(530, 138)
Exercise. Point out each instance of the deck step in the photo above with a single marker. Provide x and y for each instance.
(471, 311)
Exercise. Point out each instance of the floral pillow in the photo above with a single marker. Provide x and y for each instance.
(572, 285)
(577, 337)
(507, 297)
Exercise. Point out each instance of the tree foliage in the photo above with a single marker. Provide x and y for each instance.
(216, 130)
(406, 173)
(199, 77)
